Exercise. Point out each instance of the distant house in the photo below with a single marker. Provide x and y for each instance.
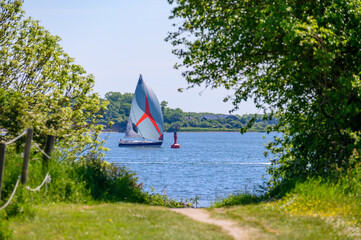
(189, 118)
(216, 116)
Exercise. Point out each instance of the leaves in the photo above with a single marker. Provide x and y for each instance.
(40, 85)
(298, 60)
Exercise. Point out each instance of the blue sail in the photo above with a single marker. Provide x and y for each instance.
(146, 115)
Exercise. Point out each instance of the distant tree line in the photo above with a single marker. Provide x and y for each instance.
(119, 108)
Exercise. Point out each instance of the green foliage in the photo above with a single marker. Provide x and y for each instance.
(86, 180)
(174, 127)
(118, 110)
(237, 199)
(119, 107)
(41, 87)
(65, 184)
(22, 206)
(108, 182)
(111, 183)
(173, 115)
(163, 200)
(298, 60)
(195, 200)
(5, 231)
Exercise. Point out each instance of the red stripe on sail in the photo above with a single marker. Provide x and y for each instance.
(147, 114)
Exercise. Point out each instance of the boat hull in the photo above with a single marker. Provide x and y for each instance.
(140, 144)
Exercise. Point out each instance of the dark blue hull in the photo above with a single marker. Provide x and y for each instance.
(140, 144)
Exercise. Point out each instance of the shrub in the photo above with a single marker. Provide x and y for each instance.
(5, 232)
(238, 199)
(108, 182)
(89, 179)
(165, 201)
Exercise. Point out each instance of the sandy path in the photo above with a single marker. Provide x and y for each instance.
(202, 215)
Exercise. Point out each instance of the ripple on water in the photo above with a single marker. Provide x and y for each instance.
(209, 165)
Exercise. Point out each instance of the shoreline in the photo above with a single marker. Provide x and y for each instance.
(201, 132)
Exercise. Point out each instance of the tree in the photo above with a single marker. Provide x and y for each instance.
(118, 110)
(41, 87)
(174, 127)
(298, 60)
(163, 105)
(119, 106)
(171, 115)
(177, 115)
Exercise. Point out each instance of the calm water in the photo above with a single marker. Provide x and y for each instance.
(210, 165)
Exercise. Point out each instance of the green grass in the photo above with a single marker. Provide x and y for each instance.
(314, 209)
(110, 221)
(266, 222)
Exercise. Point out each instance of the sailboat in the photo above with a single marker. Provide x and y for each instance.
(145, 119)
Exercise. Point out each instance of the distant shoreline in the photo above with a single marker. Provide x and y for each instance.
(251, 131)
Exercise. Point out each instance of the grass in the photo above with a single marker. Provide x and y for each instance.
(110, 221)
(314, 209)
(265, 222)
(74, 182)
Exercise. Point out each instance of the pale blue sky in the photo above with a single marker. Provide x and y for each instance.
(116, 40)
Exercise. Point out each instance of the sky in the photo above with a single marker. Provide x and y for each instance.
(116, 40)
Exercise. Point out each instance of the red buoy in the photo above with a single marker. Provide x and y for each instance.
(175, 144)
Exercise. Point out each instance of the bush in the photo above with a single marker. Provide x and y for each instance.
(163, 200)
(65, 185)
(238, 199)
(108, 182)
(5, 232)
(80, 181)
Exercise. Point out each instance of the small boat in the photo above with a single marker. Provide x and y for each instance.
(145, 119)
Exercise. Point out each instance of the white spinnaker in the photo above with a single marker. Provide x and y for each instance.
(129, 132)
(146, 114)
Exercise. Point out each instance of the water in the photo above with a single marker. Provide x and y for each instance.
(209, 165)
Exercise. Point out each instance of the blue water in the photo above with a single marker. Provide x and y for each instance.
(208, 165)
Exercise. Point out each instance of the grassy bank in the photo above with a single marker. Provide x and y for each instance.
(263, 221)
(93, 199)
(314, 209)
(72, 182)
(110, 221)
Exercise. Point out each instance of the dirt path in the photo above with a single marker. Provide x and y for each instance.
(202, 215)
